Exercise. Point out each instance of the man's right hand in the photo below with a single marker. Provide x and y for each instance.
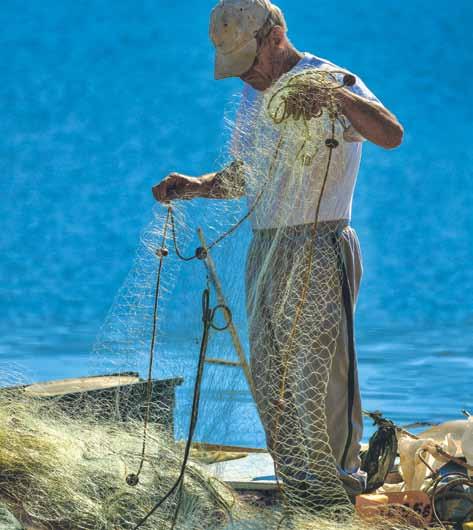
(176, 186)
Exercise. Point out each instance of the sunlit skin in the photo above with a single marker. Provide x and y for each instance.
(276, 56)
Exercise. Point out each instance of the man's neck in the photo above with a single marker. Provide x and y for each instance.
(285, 61)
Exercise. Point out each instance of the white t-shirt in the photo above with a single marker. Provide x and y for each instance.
(337, 199)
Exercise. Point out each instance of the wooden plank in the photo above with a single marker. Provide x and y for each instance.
(224, 362)
(79, 384)
(221, 298)
(228, 448)
(255, 472)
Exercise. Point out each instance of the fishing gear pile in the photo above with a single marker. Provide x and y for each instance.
(242, 297)
(272, 267)
(276, 272)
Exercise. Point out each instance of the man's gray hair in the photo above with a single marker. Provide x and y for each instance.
(275, 18)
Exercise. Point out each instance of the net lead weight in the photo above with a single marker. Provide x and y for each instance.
(132, 480)
(162, 252)
(200, 253)
(331, 143)
(349, 80)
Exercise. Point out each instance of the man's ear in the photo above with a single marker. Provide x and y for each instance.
(277, 36)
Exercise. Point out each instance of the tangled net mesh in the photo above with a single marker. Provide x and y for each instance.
(59, 472)
(255, 351)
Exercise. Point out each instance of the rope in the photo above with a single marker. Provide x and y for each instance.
(200, 252)
(297, 88)
(208, 317)
(133, 479)
(174, 239)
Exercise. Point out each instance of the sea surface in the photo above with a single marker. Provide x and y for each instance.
(99, 100)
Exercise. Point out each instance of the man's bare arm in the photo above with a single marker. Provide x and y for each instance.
(368, 118)
(371, 120)
(224, 184)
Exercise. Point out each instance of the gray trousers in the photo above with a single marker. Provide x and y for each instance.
(301, 292)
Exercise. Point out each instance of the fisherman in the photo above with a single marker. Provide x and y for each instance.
(250, 37)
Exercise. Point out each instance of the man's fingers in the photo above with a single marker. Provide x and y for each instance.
(175, 186)
(157, 191)
(316, 109)
(171, 187)
(160, 191)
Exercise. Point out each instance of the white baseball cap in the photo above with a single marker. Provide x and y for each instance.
(233, 28)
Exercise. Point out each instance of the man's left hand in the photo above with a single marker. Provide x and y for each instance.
(306, 104)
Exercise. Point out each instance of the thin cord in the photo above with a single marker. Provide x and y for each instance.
(238, 223)
(208, 316)
(132, 479)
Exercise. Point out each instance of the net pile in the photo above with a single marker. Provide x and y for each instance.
(60, 473)
(57, 472)
(244, 302)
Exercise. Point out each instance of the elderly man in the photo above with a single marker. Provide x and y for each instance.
(251, 43)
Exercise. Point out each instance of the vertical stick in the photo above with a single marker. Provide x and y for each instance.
(209, 263)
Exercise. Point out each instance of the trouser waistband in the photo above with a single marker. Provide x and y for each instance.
(322, 227)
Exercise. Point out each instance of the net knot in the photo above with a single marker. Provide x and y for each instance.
(280, 403)
(307, 160)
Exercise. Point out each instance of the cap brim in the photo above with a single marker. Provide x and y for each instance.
(236, 63)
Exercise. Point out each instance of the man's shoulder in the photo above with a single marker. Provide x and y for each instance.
(313, 61)
(309, 59)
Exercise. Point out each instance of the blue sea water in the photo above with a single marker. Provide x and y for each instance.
(100, 99)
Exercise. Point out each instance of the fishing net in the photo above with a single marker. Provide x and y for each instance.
(62, 472)
(272, 270)
(242, 298)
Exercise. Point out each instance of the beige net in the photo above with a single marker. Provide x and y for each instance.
(243, 299)
(273, 266)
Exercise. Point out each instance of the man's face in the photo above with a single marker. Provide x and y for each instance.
(261, 75)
